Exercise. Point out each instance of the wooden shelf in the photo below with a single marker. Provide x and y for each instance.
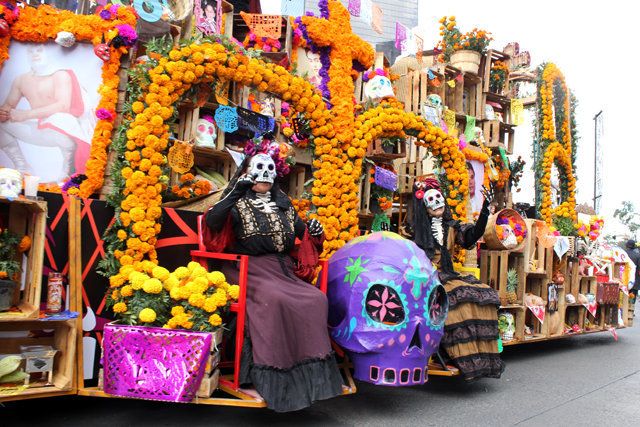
(211, 153)
(512, 306)
(36, 392)
(27, 312)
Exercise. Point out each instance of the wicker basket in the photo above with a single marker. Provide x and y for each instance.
(466, 60)
(154, 363)
(491, 238)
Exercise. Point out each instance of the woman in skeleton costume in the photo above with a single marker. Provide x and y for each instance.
(471, 328)
(287, 353)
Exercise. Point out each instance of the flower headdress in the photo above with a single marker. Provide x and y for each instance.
(423, 184)
(280, 153)
(372, 73)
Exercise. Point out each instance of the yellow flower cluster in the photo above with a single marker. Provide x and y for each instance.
(558, 152)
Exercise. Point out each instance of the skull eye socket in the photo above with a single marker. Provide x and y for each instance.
(200, 128)
(437, 306)
(270, 167)
(383, 305)
(260, 166)
(210, 131)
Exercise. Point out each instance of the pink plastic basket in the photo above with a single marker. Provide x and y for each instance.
(154, 363)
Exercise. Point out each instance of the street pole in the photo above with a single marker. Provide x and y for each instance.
(595, 160)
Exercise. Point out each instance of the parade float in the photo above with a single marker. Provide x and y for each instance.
(170, 120)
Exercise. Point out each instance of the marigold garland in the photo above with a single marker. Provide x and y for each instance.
(41, 25)
(555, 143)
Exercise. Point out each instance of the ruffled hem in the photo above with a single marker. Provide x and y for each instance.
(470, 330)
(481, 365)
(474, 294)
(294, 388)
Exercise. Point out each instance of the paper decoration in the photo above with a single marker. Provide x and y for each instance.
(430, 74)
(450, 119)
(366, 11)
(562, 246)
(376, 19)
(292, 7)
(237, 157)
(537, 311)
(386, 179)
(419, 49)
(436, 82)
(625, 289)
(503, 156)
(470, 129)
(257, 123)
(592, 308)
(401, 35)
(459, 78)
(227, 118)
(354, 7)
(517, 112)
(451, 83)
(269, 26)
(430, 114)
(180, 157)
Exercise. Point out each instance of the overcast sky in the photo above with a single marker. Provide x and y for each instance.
(595, 46)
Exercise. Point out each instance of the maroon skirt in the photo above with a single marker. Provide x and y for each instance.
(287, 353)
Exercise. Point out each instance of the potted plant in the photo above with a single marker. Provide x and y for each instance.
(498, 76)
(462, 50)
(9, 267)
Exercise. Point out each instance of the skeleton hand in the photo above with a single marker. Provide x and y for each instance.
(488, 193)
(384, 226)
(315, 228)
(245, 181)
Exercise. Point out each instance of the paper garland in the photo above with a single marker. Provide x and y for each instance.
(401, 35)
(386, 179)
(450, 119)
(354, 7)
(227, 118)
(538, 312)
(376, 19)
(292, 7)
(517, 112)
(469, 130)
(269, 26)
(366, 11)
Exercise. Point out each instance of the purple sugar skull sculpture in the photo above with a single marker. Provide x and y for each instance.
(386, 308)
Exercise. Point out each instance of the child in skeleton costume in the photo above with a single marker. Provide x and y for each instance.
(471, 327)
(287, 352)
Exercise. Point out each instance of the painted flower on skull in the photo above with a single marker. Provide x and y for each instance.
(386, 308)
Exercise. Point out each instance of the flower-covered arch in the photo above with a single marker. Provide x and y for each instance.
(555, 144)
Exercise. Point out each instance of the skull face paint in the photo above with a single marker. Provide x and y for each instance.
(262, 168)
(386, 308)
(205, 132)
(10, 183)
(434, 201)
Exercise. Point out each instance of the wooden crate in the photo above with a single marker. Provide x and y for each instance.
(497, 134)
(538, 259)
(209, 384)
(379, 153)
(572, 277)
(575, 314)
(540, 330)
(27, 217)
(630, 313)
(297, 178)
(494, 266)
(588, 285)
(485, 66)
(63, 340)
(472, 96)
(407, 174)
(453, 95)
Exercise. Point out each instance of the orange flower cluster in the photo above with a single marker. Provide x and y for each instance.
(557, 151)
(453, 40)
(190, 187)
(41, 25)
(302, 207)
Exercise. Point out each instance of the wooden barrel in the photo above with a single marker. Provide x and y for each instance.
(490, 236)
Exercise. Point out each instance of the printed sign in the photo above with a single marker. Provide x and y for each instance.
(386, 179)
(537, 311)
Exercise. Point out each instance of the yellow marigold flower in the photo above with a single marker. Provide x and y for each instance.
(171, 282)
(197, 300)
(126, 270)
(119, 307)
(192, 265)
(147, 315)
(182, 272)
(126, 291)
(210, 305)
(152, 286)
(175, 293)
(216, 277)
(137, 279)
(234, 291)
(199, 272)
(116, 281)
(137, 214)
(160, 273)
(215, 320)
(176, 310)
(137, 107)
(115, 294)
(122, 234)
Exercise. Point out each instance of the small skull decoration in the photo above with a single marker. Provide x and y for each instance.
(436, 102)
(205, 132)
(506, 326)
(378, 87)
(10, 183)
(508, 239)
(386, 308)
(102, 51)
(65, 39)
(262, 168)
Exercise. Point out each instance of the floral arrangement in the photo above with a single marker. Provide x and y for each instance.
(190, 187)
(265, 44)
(10, 243)
(72, 185)
(302, 207)
(503, 172)
(498, 76)
(382, 196)
(592, 230)
(187, 298)
(555, 146)
(281, 154)
(43, 23)
(517, 169)
(372, 73)
(519, 229)
(454, 40)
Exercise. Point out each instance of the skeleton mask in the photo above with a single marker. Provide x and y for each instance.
(378, 87)
(386, 308)
(436, 102)
(433, 199)
(262, 168)
(506, 325)
(478, 135)
(102, 51)
(205, 132)
(10, 183)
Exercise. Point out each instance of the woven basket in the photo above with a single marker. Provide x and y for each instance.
(491, 238)
(154, 363)
(466, 60)
(196, 204)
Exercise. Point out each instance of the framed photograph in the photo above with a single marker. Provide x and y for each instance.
(49, 94)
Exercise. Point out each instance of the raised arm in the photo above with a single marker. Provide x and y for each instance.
(217, 215)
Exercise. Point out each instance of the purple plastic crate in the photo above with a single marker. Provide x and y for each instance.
(154, 363)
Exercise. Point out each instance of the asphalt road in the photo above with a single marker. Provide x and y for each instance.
(585, 380)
